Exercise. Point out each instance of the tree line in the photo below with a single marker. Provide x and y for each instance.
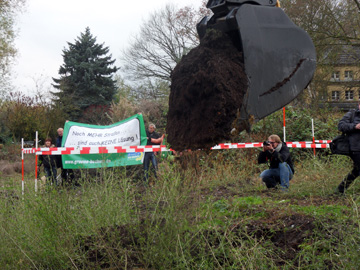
(91, 89)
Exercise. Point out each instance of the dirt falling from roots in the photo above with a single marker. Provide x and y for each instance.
(207, 90)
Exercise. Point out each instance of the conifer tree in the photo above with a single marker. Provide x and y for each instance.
(85, 77)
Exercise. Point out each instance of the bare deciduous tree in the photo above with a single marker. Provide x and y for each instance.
(333, 26)
(8, 12)
(329, 22)
(164, 39)
(358, 4)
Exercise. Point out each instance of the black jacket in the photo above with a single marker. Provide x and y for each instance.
(47, 160)
(277, 157)
(150, 136)
(345, 125)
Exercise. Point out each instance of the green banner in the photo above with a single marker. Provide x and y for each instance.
(129, 132)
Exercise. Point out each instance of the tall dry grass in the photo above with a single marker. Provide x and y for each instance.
(210, 214)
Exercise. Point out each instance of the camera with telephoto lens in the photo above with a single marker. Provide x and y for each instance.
(266, 143)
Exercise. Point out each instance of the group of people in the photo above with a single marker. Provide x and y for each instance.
(275, 153)
(281, 170)
(52, 162)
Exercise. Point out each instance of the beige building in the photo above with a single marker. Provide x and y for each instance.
(343, 87)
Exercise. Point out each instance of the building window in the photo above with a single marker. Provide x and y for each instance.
(335, 76)
(348, 76)
(349, 95)
(335, 95)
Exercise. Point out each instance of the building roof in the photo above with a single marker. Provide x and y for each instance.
(345, 55)
(350, 55)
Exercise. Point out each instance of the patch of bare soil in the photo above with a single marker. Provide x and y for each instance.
(283, 232)
(120, 245)
(111, 246)
(220, 192)
(286, 232)
(207, 90)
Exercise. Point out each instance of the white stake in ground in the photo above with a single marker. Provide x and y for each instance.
(313, 134)
(284, 124)
(36, 161)
(22, 166)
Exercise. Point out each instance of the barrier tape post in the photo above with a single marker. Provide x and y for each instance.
(36, 162)
(22, 167)
(284, 124)
(313, 134)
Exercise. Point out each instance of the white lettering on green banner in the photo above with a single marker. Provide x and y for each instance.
(129, 132)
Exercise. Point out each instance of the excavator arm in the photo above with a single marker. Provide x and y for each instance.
(279, 57)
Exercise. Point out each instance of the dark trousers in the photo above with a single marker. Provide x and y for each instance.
(51, 174)
(355, 156)
(149, 156)
(67, 175)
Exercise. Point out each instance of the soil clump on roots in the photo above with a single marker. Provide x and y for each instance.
(207, 90)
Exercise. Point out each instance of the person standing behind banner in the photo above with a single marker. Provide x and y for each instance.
(281, 168)
(67, 175)
(350, 124)
(49, 162)
(153, 138)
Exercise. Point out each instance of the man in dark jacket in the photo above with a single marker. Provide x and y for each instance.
(67, 175)
(352, 128)
(281, 168)
(153, 138)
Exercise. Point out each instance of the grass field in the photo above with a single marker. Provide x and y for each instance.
(206, 211)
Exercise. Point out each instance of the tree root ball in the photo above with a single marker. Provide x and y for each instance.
(207, 90)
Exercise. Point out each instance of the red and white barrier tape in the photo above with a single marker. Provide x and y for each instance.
(307, 145)
(252, 145)
(316, 141)
(94, 150)
(323, 141)
(155, 148)
(236, 145)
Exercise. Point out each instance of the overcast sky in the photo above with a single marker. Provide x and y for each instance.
(47, 25)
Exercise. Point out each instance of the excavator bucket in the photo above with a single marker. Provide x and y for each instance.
(279, 57)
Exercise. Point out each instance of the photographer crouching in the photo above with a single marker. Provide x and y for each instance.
(281, 168)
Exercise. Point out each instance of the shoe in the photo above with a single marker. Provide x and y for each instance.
(339, 192)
